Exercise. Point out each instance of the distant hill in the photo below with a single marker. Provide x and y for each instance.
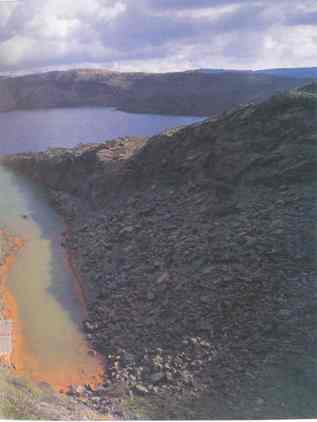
(216, 71)
(198, 93)
(289, 72)
(295, 72)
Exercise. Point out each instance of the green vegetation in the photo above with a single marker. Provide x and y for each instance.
(21, 399)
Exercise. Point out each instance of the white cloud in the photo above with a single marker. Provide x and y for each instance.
(157, 35)
(211, 12)
(293, 47)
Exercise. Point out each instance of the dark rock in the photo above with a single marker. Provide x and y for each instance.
(209, 291)
(157, 378)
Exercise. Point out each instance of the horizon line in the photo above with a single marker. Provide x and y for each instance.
(217, 69)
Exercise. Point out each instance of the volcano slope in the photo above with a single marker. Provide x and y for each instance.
(197, 251)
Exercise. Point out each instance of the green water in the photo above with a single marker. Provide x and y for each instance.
(49, 310)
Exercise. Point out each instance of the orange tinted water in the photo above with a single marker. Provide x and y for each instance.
(42, 293)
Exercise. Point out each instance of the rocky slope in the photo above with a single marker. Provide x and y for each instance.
(197, 249)
(187, 93)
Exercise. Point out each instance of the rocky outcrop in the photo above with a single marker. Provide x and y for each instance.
(182, 93)
(198, 248)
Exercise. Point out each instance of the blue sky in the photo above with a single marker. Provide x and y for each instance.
(156, 35)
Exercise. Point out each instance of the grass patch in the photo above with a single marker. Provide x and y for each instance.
(21, 399)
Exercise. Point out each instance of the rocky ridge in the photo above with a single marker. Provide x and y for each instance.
(197, 253)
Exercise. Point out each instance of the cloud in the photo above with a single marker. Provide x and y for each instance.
(193, 4)
(306, 18)
(156, 35)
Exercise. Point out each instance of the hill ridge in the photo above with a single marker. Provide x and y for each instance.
(179, 93)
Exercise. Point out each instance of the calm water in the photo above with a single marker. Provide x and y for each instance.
(54, 348)
(49, 308)
(36, 130)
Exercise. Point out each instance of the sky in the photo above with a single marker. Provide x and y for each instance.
(156, 35)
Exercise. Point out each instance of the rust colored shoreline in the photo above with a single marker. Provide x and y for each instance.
(19, 356)
(10, 311)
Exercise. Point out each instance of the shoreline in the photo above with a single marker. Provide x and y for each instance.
(18, 357)
(82, 297)
(71, 266)
(9, 305)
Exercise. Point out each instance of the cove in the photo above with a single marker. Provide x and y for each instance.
(37, 130)
(49, 345)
